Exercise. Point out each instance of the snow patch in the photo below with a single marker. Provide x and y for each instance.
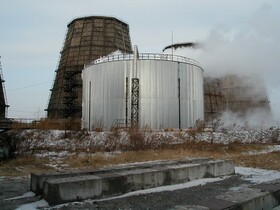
(257, 175)
(26, 195)
(34, 206)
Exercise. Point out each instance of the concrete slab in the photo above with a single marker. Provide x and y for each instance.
(69, 189)
(263, 196)
(217, 204)
(38, 179)
(270, 186)
(190, 207)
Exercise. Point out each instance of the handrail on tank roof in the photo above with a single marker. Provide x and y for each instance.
(144, 56)
(96, 16)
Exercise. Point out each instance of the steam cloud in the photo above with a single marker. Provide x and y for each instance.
(253, 50)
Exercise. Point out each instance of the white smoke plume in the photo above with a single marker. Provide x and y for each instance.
(257, 120)
(251, 50)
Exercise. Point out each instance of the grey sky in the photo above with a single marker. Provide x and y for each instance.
(32, 34)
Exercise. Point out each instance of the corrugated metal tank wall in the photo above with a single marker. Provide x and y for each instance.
(104, 93)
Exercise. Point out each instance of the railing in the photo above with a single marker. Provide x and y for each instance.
(121, 123)
(144, 56)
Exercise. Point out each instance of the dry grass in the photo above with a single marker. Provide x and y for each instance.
(233, 151)
(266, 161)
(47, 124)
(24, 165)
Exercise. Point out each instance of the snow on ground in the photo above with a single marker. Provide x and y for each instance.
(26, 195)
(34, 206)
(54, 143)
(58, 145)
(257, 175)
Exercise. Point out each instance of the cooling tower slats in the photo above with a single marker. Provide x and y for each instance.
(87, 39)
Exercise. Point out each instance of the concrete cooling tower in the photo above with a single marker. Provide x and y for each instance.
(213, 98)
(146, 90)
(87, 39)
(242, 95)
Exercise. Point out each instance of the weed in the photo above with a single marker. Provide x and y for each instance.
(137, 140)
(200, 125)
(192, 133)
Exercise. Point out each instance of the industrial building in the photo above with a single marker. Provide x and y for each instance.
(145, 90)
(87, 39)
(90, 38)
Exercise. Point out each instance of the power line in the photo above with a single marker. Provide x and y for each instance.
(24, 87)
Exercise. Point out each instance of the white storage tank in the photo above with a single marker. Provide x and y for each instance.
(147, 90)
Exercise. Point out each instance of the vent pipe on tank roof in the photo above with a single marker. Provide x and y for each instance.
(135, 58)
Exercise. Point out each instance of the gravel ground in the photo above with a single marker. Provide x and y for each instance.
(12, 188)
(162, 200)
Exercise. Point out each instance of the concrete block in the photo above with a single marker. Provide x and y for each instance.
(103, 185)
(144, 179)
(74, 188)
(223, 167)
(250, 198)
(37, 179)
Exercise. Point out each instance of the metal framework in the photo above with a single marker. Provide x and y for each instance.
(71, 87)
(135, 102)
(3, 97)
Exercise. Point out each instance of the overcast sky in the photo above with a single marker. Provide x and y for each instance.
(33, 31)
